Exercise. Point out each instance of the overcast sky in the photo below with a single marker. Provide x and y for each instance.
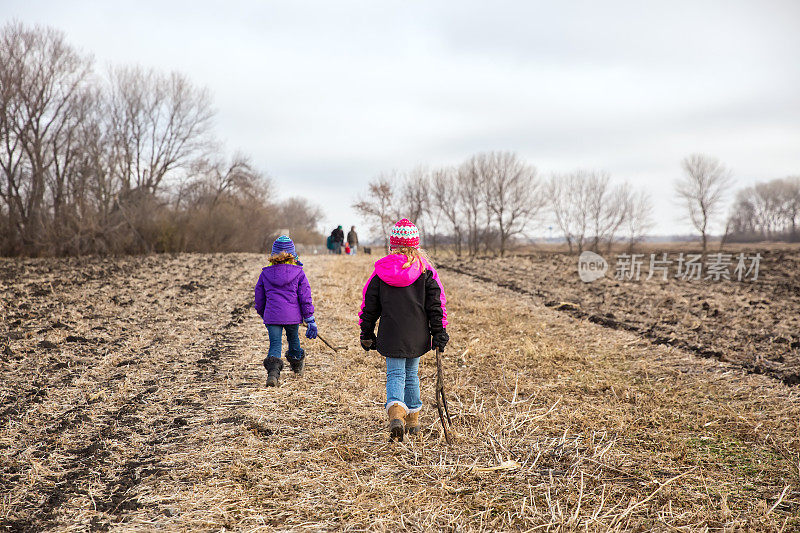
(325, 95)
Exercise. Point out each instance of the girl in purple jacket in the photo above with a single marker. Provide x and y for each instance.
(283, 299)
(405, 294)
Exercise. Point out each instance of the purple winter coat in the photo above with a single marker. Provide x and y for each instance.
(283, 295)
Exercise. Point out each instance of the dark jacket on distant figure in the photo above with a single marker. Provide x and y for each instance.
(410, 304)
(352, 238)
(338, 236)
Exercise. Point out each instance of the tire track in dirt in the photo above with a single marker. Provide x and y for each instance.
(221, 339)
(110, 458)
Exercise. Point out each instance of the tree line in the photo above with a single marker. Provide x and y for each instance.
(122, 161)
(767, 211)
(493, 198)
(484, 204)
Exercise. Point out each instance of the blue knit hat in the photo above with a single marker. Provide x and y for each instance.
(283, 244)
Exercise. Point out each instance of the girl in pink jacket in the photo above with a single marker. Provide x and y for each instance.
(405, 294)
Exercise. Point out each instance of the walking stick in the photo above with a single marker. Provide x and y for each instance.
(320, 337)
(329, 345)
(441, 402)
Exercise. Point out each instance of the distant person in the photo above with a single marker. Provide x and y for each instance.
(283, 300)
(405, 293)
(338, 240)
(352, 240)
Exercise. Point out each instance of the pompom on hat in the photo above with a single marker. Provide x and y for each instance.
(404, 235)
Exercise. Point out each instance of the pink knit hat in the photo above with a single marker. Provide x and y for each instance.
(404, 235)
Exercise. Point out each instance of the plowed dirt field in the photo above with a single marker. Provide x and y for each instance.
(132, 397)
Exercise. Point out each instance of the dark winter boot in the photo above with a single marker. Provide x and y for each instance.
(274, 365)
(297, 361)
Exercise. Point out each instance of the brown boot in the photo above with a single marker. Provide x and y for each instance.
(397, 415)
(412, 423)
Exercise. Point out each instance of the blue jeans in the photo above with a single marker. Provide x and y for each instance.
(292, 337)
(402, 383)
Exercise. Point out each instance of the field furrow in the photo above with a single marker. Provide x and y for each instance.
(133, 398)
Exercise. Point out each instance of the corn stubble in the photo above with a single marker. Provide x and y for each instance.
(132, 397)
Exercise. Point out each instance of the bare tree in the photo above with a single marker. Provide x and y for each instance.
(95, 174)
(67, 184)
(792, 191)
(767, 210)
(447, 200)
(637, 218)
(160, 123)
(215, 180)
(377, 206)
(472, 190)
(299, 215)
(606, 204)
(87, 167)
(41, 78)
(702, 190)
(556, 191)
(568, 197)
(742, 218)
(433, 216)
(514, 195)
(770, 207)
(413, 197)
(588, 209)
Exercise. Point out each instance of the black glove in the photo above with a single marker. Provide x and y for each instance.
(368, 341)
(440, 340)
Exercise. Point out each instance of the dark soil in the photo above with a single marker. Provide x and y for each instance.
(132, 397)
(755, 324)
(82, 358)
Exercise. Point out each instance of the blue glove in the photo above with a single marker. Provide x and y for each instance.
(311, 332)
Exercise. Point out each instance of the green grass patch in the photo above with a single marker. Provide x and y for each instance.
(740, 458)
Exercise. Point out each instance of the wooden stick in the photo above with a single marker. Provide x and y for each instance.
(320, 337)
(329, 345)
(441, 402)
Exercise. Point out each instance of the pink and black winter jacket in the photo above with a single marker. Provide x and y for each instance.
(410, 304)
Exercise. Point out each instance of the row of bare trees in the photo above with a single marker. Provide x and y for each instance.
(480, 205)
(495, 198)
(591, 212)
(122, 161)
(766, 211)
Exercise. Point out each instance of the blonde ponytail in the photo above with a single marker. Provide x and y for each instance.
(412, 255)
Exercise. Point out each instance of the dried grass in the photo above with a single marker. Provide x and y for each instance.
(161, 420)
